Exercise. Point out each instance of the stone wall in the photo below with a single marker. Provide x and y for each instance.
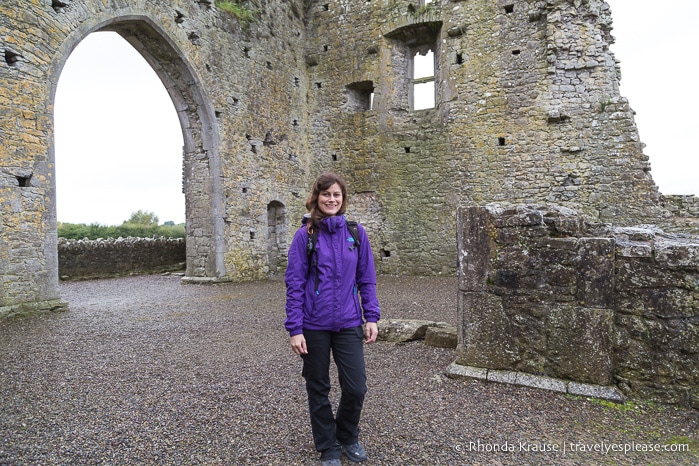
(86, 259)
(527, 110)
(546, 291)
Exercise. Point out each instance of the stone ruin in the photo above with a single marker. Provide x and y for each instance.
(524, 108)
(551, 296)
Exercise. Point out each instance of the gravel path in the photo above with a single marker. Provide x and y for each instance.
(146, 370)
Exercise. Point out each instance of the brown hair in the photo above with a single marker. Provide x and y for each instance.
(323, 182)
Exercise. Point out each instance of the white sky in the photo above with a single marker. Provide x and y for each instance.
(119, 143)
(118, 139)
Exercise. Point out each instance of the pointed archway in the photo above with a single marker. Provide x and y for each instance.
(201, 164)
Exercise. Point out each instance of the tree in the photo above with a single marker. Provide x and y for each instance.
(142, 217)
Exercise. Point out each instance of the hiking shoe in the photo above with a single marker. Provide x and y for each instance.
(332, 462)
(354, 452)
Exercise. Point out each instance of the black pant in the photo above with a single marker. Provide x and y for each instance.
(348, 352)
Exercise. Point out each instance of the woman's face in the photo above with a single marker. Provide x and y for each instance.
(330, 200)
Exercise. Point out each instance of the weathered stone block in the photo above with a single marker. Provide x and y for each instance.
(678, 255)
(441, 337)
(580, 344)
(634, 249)
(457, 370)
(486, 332)
(595, 282)
(402, 330)
(474, 246)
(596, 391)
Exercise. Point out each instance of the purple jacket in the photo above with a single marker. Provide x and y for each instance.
(343, 270)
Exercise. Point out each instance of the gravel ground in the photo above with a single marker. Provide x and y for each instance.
(146, 370)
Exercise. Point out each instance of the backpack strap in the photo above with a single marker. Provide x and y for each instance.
(354, 231)
(312, 258)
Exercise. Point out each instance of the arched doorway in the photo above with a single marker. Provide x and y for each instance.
(201, 164)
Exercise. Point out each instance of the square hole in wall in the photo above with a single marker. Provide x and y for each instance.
(24, 181)
(360, 96)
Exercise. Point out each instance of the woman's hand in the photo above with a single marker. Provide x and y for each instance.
(371, 331)
(298, 344)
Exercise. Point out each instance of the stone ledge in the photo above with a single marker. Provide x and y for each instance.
(33, 308)
(536, 381)
(205, 280)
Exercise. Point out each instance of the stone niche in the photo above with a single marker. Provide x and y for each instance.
(548, 292)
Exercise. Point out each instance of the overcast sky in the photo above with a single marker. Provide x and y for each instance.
(119, 143)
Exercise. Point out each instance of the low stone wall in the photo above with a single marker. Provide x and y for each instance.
(85, 259)
(545, 291)
(681, 205)
(685, 213)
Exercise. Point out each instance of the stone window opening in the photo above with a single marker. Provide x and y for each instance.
(58, 6)
(360, 96)
(414, 64)
(509, 9)
(11, 58)
(24, 181)
(422, 78)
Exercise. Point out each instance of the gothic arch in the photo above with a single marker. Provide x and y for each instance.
(201, 160)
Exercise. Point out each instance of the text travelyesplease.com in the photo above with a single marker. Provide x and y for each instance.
(573, 447)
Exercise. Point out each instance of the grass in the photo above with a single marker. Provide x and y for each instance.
(241, 12)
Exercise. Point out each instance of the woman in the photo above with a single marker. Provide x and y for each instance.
(324, 315)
